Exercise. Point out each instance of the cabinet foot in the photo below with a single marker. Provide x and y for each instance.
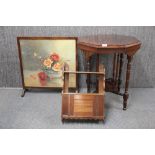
(23, 92)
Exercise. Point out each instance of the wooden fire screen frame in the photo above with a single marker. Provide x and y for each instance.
(41, 75)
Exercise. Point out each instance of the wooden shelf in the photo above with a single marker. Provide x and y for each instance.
(82, 72)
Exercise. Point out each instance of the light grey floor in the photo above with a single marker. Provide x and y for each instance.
(43, 110)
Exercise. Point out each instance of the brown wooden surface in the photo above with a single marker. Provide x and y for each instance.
(97, 69)
(112, 41)
(66, 79)
(117, 66)
(20, 60)
(119, 45)
(126, 94)
(82, 72)
(83, 105)
(101, 80)
(114, 66)
(46, 38)
(120, 71)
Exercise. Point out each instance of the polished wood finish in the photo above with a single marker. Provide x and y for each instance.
(119, 45)
(107, 42)
(120, 71)
(88, 76)
(114, 66)
(117, 67)
(82, 72)
(66, 79)
(101, 80)
(83, 105)
(126, 94)
(97, 68)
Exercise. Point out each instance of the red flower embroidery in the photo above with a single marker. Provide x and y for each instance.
(54, 57)
(42, 77)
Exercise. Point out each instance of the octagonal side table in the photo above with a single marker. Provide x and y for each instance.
(118, 46)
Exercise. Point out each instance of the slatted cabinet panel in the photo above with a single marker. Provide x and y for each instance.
(84, 105)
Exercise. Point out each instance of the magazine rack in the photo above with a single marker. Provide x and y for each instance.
(83, 105)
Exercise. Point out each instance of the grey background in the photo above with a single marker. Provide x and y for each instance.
(143, 68)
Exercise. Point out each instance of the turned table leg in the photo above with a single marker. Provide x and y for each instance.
(116, 73)
(87, 68)
(88, 76)
(120, 71)
(114, 67)
(126, 94)
(97, 69)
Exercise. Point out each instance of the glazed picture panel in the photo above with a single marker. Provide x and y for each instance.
(43, 62)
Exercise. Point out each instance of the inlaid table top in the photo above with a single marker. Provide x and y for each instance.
(98, 43)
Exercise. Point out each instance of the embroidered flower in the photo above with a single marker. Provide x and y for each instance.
(56, 67)
(42, 76)
(47, 62)
(54, 57)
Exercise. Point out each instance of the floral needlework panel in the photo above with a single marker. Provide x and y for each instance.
(43, 62)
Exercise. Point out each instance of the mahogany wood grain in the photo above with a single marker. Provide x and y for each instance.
(114, 66)
(97, 68)
(101, 80)
(119, 45)
(112, 41)
(82, 72)
(117, 67)
(88, 75)
(120, 71)
(126, 94)
(83, 105)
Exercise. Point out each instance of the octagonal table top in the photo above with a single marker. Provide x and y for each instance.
(109, 41)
